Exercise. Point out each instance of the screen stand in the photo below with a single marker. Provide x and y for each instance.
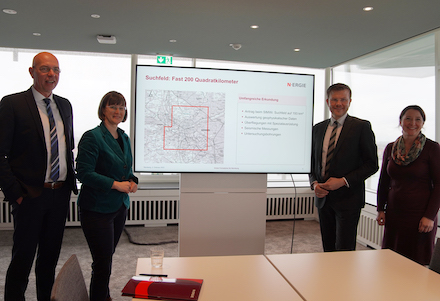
(222, 214)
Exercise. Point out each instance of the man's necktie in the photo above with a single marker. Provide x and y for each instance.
(330, 150)
(54, 158)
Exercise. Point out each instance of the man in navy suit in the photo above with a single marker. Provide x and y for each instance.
(39, 197)
(339, 170)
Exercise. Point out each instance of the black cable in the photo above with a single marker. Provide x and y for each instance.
(148, 244)
(294, 213)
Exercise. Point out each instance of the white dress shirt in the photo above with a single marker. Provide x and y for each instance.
(60, 133)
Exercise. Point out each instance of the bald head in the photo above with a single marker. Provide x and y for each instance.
(45, 71)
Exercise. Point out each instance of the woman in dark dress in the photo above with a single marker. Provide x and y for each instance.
(408, 196)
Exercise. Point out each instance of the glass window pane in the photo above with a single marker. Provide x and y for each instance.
(84, 79)
(387, 81)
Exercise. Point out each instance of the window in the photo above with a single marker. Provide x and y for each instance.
(86, 77)
(387, 81)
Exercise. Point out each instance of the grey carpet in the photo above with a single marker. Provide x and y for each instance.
(278, 241)
(140, 235)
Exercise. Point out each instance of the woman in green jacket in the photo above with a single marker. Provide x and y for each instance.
(104, 167)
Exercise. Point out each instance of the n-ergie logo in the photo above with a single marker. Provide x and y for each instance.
(296, 85)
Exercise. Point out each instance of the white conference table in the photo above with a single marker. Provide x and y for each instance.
(359, 275)
(227, 278)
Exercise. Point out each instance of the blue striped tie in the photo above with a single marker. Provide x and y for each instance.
(331, 148)
(54, 158)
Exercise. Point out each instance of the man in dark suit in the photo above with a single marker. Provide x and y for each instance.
(36, 176)
(344, 155)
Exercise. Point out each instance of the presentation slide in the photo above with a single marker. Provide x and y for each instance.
(226, 121)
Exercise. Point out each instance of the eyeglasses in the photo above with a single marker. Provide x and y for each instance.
(114, 108)
(46, 69)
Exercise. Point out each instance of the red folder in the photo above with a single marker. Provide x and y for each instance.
(160, 288)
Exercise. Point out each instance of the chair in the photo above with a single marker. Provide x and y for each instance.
(69, 284)
(435, 259)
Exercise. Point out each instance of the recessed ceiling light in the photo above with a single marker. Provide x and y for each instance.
(9, 11)
(235, 46)
(173, 41)
(296, 49)
(37, 34)
(254, 26)
(95, 16)
(368, 8)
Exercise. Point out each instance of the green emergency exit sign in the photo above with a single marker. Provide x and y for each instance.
(164, 60)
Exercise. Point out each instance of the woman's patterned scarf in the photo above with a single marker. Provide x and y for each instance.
(398, 151)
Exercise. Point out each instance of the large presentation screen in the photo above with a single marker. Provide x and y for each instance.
(225, 121)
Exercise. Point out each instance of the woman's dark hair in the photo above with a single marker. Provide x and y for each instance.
(110, 99)
(413, 107)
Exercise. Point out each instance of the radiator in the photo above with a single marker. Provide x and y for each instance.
(153, 212)
(161, 208)
(289, 207)
(147, 211)
(5, 215)
(157, 210)
(369, 232)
